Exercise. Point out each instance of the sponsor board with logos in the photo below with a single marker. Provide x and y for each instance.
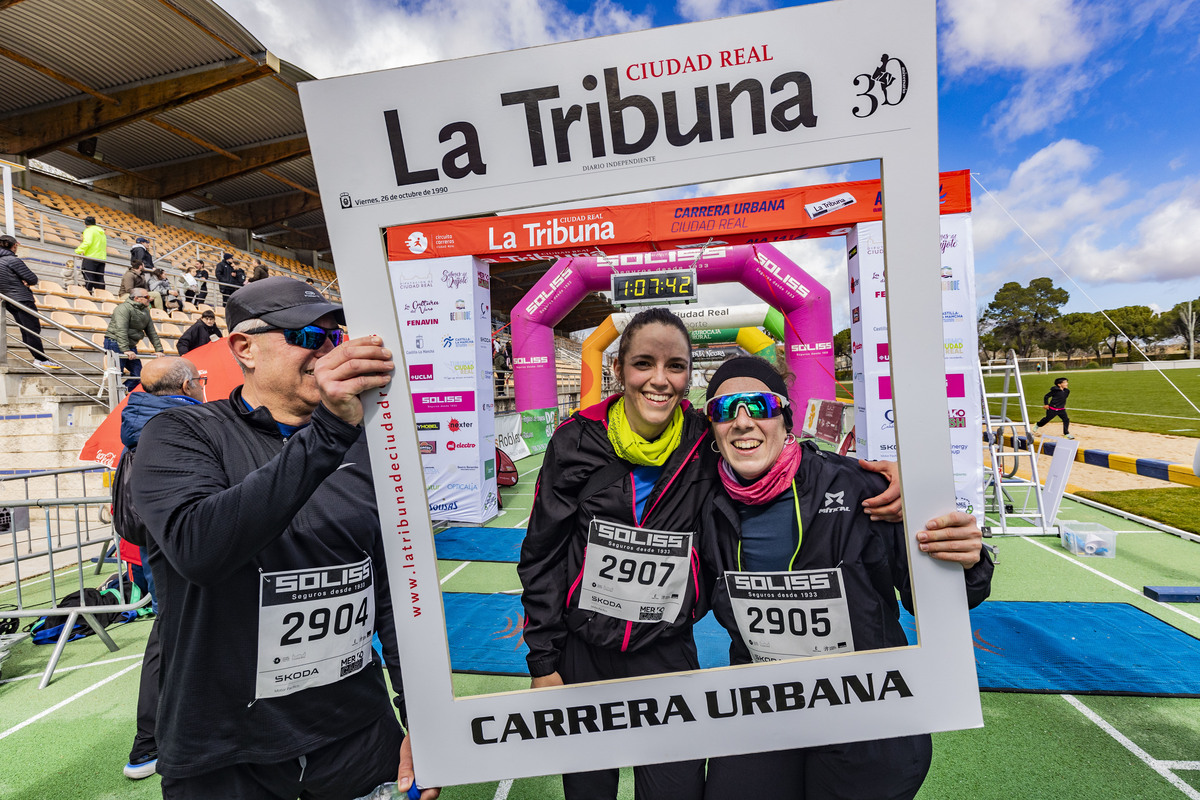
(448, 350)
(874, 419)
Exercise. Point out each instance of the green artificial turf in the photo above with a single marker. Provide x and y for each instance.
(1171, 506)
(1125, 396)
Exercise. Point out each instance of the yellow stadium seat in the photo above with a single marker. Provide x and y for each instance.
(85, 303)
(56, 301)
(104, 294)
(94, 323)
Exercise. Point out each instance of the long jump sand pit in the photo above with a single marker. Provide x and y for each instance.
(1085, 477)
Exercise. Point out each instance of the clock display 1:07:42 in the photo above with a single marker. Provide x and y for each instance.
(665, 286)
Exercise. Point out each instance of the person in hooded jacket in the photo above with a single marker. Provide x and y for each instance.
(15, 279)
(787, 507)
(630, 465)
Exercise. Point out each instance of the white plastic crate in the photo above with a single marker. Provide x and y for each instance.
(1088, 539)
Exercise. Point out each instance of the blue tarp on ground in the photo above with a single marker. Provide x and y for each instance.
(1079, 648)
(479, 544)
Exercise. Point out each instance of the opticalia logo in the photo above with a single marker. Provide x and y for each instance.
(453, 279)
(415, 281)
(882, 355)
(549, 291)
(525, 361)
(452, 446)
(958, 418)
(420, 372)
(428, 448)
(429, 426)
(457, 341)
(454, 425)
(463, 487)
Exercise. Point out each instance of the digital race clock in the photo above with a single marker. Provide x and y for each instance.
(664, 286)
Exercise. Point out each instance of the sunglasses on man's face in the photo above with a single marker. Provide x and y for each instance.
(759, 405)
(310, 337)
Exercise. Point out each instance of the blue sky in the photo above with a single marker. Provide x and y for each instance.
(1081, 118)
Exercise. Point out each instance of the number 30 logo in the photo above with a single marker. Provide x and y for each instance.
(886, 86)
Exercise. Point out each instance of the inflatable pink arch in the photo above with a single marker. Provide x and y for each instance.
(808, 334)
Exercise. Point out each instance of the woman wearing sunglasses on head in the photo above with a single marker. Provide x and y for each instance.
(785, 507)
(624, 481)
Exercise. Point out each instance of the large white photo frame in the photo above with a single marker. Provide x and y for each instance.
(474, 136)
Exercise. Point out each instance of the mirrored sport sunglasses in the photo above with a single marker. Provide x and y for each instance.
(759, 405)
(310, 337)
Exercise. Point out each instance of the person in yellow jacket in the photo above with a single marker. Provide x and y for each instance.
(94, 249)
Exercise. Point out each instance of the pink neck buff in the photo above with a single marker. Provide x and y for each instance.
(769, 485)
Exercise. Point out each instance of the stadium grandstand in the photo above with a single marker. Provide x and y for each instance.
(198, 144)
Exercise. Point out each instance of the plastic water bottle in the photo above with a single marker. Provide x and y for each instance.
(389, 791)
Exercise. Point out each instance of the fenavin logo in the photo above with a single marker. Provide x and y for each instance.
(885, 86)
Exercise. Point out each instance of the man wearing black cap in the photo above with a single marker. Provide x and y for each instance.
(139, 253)
(269, 690)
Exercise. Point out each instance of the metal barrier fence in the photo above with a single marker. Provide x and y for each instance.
(72, 531)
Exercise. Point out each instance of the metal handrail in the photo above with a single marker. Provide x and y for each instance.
(107, 382)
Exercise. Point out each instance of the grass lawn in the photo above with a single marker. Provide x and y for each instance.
(1136, 401)
(1174, 507)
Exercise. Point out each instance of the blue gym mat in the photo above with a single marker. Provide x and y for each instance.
(479, 544)
(1077, 648)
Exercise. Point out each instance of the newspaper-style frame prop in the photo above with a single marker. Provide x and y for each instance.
(815, 85)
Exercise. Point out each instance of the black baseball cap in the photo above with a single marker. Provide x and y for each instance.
(281, 302)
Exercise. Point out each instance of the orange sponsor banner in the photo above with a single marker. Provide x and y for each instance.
(781, 215)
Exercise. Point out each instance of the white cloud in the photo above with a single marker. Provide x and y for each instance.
(1075, 219)
(365, 35)
(696, 10)
(1164, 245)
(1013, 35)
(1043, 100)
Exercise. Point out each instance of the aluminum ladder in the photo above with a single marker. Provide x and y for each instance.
(1010, 445)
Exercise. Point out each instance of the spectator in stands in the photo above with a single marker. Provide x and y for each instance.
(232, 513)
(168, 294)
(310, 281)
(238, 276)
(260, 272)
(203, 331)
(197, 291)
(168, 382)
(224, 276)
(130, 322)
(15, 280)
(139, 253)
(94, 249)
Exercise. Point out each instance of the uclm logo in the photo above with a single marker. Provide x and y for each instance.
(420, 372)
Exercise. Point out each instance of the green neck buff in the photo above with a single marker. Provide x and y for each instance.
(636, 450)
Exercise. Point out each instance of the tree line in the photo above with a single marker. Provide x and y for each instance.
(1027, 319)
